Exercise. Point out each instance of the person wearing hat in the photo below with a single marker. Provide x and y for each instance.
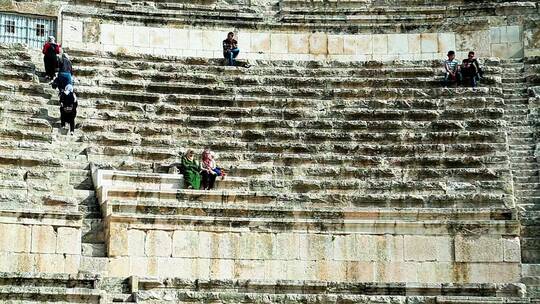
(68, 108)
(50, 51)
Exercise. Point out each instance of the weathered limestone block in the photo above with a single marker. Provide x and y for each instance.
(119, 267)
(414, 42)
(136, 242)
(318, 44)
(158, 243)
(286, 246)
(227, 245)
(117, 242)
(68, 240)
(315, 246)
(446, 42)
(479, 41)
(123, 35)
(395, 272)
(428, 248)
(174, 267)
(380, 44)
(185, 243)
(298, 44)
(398, 44)
(72, 31)
(43, 239)
(429, 43)
(512, 249)
(478, 248)
(141, 37)
(51, 263)
(15, 238)
(279, 43)
(223, 269)
(335, 45)
(260, 42)
(256, 246)
(429, 272)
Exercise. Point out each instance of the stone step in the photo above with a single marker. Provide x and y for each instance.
(530, 203)
(528, 192)
(521, 141)
(524, 166)
(527, 186)
(531, 256)
(526, 180)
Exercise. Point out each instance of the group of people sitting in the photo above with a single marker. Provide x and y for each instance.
(58, 68)
(468, 72)
(199, 174)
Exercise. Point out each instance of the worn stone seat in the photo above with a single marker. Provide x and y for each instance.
(25, 287)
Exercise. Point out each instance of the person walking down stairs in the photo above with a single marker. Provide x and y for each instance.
(50, 51)
(68, 108)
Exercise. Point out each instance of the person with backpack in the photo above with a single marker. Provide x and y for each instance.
(50, 51)
(65, 70)
(68, 108)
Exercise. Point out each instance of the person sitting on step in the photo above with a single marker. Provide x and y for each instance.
(452, 72)
(68, 108)
(230, 49)
(50, 51)
(470, 69)
(209, 170)
(191, 169)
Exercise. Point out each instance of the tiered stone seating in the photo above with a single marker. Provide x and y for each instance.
(253, 117)
(187, 12)
(407, 15)
(29, 288)
(357, 167)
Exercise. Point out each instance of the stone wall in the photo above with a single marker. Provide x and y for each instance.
(40, 242)
(498, 41)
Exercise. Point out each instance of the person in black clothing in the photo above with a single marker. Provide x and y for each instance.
(230, 49)
(68, 108)
(470, 69)
(50, 50)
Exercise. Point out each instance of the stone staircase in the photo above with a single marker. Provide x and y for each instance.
(306, 140)
(523, 139)
(405, 15)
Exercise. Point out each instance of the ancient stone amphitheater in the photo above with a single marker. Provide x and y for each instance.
(354, 176)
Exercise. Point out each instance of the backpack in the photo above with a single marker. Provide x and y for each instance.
(68, 102)
(51, 51)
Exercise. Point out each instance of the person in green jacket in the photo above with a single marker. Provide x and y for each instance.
(191, 169)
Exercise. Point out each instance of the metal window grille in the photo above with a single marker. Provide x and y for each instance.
(40, 30)
(10, 27)
(32, 31)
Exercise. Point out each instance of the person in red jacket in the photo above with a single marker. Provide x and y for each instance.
(50, 50)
